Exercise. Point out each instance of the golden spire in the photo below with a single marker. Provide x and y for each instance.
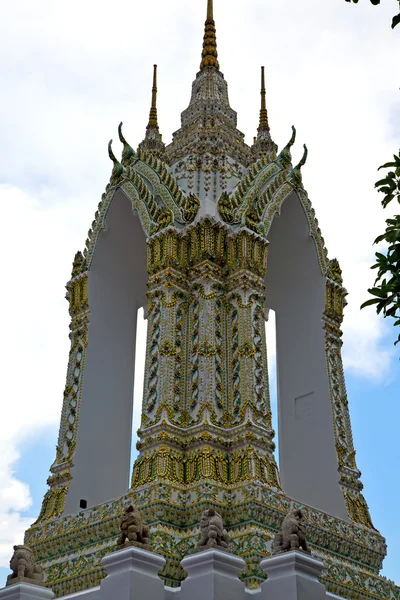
(209, 54)
(153, 121)
(152, 142)
(263, 111)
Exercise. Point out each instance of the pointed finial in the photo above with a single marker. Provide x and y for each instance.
(118, 168)
(263, 111)
(285, 155)
(263, 143)
(152, 142)
(209, 54)
(293, 138)
(153, 121)
(296, 173)
(303, 158)
(127, 151)
(78, 266)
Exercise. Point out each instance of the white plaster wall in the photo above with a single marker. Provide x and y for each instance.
(296, 292)
(117, 287)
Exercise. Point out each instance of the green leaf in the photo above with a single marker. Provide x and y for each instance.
(376, 291)
(380, 182)
(387, 165)
(369, 302)
(395, 21)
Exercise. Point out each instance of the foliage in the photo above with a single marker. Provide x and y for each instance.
(386, 290)
(396, 18)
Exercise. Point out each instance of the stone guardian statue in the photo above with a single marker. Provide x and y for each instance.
(133, 531)
(213, 534)
(292, 534)
(24, 567)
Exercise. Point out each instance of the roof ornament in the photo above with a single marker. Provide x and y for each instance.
(127, 151)
(210, 53)
(285, 156)
(118, 168)
(153, 120)
(303, 158)
(152, 142)
(263, 126)
(335, 272)
(79, 265)
(263, 144)
(296, 173)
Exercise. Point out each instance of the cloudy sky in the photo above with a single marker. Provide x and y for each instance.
(70, 72)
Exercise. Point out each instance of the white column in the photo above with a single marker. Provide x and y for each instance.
(292, 576)
(132, 574)
(26, 591)
(213, 575)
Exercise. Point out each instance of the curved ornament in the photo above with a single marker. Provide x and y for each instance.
(296, 173)
(239, 207)
(127, 152)
(185, 208)
(285, 156)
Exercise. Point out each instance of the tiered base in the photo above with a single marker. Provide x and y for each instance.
(70, 549)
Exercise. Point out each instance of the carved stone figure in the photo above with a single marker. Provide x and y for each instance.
(292, 534)
(24, 567)
(213, 534)
(133, 532)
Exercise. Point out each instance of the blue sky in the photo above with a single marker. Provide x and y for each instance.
(71, 73)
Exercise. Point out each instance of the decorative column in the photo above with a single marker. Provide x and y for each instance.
(349, 474)
(206, 341)
(77, 296)
(249, 402)
(161, 456)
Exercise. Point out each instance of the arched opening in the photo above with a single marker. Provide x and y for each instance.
(270, 330)
(140, 354)
(296, 292)
(117, 289)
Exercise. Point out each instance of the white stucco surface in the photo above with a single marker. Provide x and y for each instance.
(117, 286)
(213, 575)
(292, 576)
(25, 591)
(296, 292)
(132, 574)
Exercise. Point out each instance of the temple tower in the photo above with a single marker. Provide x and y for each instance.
(207, 234)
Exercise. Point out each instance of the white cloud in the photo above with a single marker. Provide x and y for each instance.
(37, 244)
(69, 75)
(14, 498)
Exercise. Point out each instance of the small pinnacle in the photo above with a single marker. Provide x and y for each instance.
(209, 54)
(152, 142)
(263, 111)
(153, 121)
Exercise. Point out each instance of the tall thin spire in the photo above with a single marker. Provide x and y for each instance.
(153, 121)
(210, 53)
(263, 111)
(153, 140)
(263, 144)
